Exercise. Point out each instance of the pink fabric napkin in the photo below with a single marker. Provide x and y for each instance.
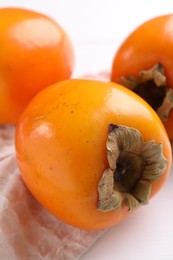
(27, 230)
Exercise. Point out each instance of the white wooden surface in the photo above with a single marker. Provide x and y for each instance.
(97, 27)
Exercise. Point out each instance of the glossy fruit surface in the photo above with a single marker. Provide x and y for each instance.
(150, 44)
(61, 146)
(34, 53)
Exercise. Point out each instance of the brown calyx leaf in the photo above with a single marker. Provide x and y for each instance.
(133, 165)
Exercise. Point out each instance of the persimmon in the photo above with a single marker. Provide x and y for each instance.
(144, 63)
(34, 53)
(91, 152)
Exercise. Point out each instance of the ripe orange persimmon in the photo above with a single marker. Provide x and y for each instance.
(144, 63)
(34, 53)
(90, 152)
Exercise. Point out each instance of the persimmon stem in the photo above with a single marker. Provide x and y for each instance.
(133, 165)
(152, 86)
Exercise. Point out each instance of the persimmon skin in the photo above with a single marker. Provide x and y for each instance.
(61, 146)
(34, 53)
(151, 43)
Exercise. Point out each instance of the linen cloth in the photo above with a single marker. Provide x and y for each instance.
(27, 230)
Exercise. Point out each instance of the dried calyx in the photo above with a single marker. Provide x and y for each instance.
(133, 166)
(151, 85)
